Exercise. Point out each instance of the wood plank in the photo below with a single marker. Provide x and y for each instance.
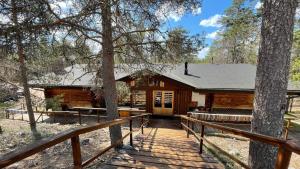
(153, 165)
(165, 161)
(170, 156)
(163, 148)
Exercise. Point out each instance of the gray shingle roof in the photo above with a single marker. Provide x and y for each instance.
(200, 76)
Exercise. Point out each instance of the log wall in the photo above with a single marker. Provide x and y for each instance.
(72, 97)
(233, 100)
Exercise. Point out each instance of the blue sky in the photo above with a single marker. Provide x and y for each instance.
(203, 22)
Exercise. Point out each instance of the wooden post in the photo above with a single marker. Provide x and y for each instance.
(6, 114)
(201, 141)
(188, 131)
(142, 124)
(76, 152)
(181, 123)
(192, 125)
(287, 128)
(22, 115)
(98, 118)
(130, 127)
(79, 117)
(291, 105)
(131, 99)
(283, 158)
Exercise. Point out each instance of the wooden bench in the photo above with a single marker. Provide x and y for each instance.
(227, 118)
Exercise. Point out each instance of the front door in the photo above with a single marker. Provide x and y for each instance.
(163, 102)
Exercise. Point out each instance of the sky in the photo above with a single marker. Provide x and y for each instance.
(204, 21)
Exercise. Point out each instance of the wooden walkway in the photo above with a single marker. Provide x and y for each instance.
(163, 145)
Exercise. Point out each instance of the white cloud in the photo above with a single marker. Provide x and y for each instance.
(168, 11)
(258, 5)
(213, 35)
(202, 53)
(212, 21)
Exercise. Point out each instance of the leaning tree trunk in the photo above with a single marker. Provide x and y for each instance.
(109, 83)
(23, 69)
(271, 79)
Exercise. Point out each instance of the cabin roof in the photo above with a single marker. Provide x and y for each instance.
(239, 77)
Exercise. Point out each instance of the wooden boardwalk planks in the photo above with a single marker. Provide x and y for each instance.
(163, 148)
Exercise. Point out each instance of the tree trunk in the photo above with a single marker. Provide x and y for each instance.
(271, 78)
(23, 69)
(109, 83)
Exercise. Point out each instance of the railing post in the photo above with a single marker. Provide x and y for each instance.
(98, 116)
(76, 152)
(287, 129)
(192, 125)
(79, 113)
(201, 141)
(283, 158)
(142, 124)
(187, 130)
(130, 127)
(181, 123)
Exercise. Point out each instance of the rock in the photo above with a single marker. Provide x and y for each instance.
(11, 145)
(32, 163)
(22, 134)
(85, 141)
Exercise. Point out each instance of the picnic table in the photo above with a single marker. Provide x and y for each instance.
(123, 111)
(79, 109)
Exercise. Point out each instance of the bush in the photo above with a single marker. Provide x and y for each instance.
(54, 103)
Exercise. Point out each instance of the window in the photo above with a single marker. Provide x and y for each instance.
(158, 99)
(168, 98)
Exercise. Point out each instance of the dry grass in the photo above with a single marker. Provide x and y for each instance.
(16, 134)
(240, 148)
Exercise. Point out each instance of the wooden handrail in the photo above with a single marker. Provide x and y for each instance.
(73, 134)
(286, 148)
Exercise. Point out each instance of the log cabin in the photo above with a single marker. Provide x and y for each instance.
(216, 88)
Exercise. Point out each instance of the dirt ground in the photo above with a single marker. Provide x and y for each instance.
(239, 146)
(16, 134)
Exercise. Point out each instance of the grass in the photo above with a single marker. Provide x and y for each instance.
(4, 105)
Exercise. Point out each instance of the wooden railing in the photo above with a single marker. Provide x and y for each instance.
(73, 134)
(286, 148)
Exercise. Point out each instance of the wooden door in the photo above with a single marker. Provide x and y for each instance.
(163, 102)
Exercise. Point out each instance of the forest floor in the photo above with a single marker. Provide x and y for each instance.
(239, 146)
(16, 134)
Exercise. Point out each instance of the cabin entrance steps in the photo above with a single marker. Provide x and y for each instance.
(162, 147)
